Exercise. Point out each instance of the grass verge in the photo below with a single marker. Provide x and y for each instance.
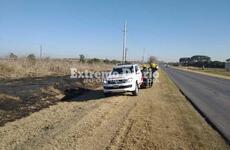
(219, 73)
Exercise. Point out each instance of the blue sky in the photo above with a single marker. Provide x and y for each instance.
(167, 29)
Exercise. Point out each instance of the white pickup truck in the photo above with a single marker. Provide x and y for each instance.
(123, 78)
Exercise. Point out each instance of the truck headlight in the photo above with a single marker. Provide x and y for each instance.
(129, 80)
(105, 81)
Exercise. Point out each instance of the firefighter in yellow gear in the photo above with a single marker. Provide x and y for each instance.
(144, 68)
(154, 73)
(153, 67)
(146, 76)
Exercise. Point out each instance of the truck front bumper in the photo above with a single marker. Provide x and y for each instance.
(109, 88)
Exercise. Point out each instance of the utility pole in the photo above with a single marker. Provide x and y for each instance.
(124, 42)
(126, 50)
(143, 56)
(40, 52)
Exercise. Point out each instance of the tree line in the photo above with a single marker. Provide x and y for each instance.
(201, 61)
(32, 58)
(82, 59)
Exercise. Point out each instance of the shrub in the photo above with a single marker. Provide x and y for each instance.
(13, 56)
(31, 59)
(82, 58)
(152, 59)
(115, 61)
(106, 61)
(94, 60)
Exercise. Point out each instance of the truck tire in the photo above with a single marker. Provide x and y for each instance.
(136, 91)
(107, 94)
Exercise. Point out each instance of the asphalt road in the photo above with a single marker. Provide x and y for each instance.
(209, 94)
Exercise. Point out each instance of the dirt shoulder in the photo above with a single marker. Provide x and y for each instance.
(159, 118)
(209, 73)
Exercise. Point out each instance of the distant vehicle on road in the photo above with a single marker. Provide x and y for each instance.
(123, 78)
(166, 65)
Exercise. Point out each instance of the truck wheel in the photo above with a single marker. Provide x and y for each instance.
(106, 94)
(135, 92)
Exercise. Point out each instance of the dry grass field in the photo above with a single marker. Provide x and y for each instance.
(22, 68)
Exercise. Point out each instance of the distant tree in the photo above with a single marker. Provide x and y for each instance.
(82, 58)
(216, 64)
(115, 61)
(13, 56)
(96, 60)
(152, 59)
(200, 58)
(93, 60)
(185, 61)
(106, 61)
(31, 59)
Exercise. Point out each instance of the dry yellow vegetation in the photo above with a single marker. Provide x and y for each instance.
(22, 68)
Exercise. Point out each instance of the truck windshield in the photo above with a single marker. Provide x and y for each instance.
(123, 70)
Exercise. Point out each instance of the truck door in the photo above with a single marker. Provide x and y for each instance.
(138, 74)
